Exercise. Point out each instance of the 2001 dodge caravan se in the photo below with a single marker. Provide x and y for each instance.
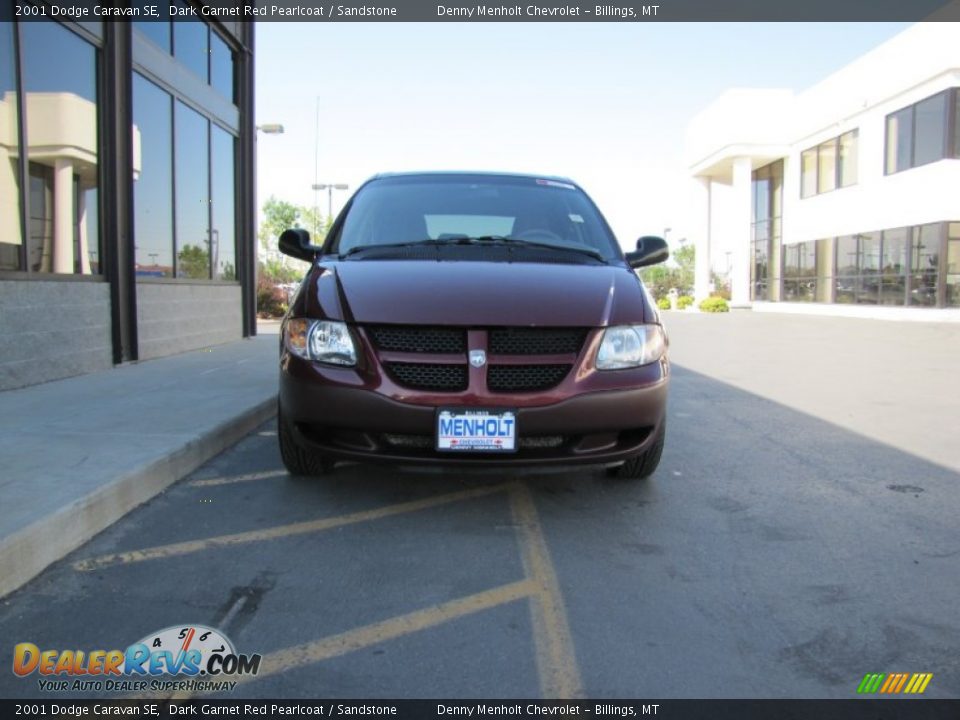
(472, 319)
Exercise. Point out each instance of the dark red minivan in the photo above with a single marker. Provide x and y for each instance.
(476, 319)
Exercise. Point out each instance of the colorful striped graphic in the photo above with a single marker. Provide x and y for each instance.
(894, 683)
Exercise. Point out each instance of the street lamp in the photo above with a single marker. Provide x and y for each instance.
(271, 129)
(666, 230)
(330, 187)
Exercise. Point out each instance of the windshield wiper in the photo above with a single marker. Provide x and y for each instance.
(477, 240)
(412, 243)
(507, 240)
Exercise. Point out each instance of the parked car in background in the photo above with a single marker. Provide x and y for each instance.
(472, 319)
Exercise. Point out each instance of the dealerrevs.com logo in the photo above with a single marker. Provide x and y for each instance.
(185, 652)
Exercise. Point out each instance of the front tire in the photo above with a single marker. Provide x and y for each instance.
(297, 459)
(642, 465)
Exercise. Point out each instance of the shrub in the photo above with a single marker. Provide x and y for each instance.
(714, 304)
(663, 303)
(271, 300)
(684, 301)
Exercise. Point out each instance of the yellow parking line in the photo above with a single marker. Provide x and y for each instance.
(266, 475)
(556, 661)
(391, 629)
(309, 526)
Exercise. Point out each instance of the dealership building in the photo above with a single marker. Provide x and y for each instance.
(843, 198)
(126, 192)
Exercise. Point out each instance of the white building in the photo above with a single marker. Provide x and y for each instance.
(844, 198)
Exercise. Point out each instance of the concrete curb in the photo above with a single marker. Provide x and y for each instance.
(25, 554)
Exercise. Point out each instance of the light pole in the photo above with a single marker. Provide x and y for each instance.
(330, 187)
(666, 231)
(270, 129)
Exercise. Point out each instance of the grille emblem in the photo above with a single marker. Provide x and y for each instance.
(478, 358)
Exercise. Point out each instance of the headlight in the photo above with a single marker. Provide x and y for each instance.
(325, 341)
(630, 346)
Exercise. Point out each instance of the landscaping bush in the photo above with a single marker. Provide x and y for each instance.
(663, 303)
(684, 301)
(714, 304)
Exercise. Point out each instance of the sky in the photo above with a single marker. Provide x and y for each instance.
(605, 104)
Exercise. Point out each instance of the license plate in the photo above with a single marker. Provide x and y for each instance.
(477, 430)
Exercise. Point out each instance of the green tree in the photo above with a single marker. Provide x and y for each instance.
(193, 262)
(316, 223)
(278, 215)
(678, 272)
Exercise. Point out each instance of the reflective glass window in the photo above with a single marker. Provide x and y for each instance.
(827, 166)
(152, 179)
(956, 122)
(924, 264)
(191, 173)
(191, 43)
(893, 266)
(930, 129)
(221, 66)
(223, 232)
(953, 266)
(848, 158)
(60, 81)
(157, 30)
(899, 140)
(11, 234)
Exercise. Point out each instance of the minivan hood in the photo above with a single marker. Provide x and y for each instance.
(475, 293)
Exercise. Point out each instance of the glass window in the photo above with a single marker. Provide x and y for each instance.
(153, 179)
(827, 166)
(953, 266)
(761, 198)
(40, 247)
(223, 233)
(808, 177)
(62, 84)
(847, 256)
(191, 44)
(899, 140)
(157, 30)
(924, 264)
(848, 159)
(11, 234)
(893, 266)
(221, 66)
(930, 129)
(956, 122)
(192, 193)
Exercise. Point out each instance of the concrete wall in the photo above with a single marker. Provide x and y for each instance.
(177, 317)
(52, 329)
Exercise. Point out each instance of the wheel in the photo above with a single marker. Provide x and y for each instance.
(642, 465)
(297, 459)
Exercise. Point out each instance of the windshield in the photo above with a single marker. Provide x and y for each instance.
(411, 209)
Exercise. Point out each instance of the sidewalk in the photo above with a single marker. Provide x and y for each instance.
(78, 454)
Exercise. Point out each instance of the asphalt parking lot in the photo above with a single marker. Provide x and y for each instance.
(800, 532)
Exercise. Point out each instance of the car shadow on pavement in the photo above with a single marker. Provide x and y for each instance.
(772, 554)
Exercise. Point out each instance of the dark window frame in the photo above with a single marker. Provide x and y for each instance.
(761, 284)
(950, 145)
(837, 167)
(104, 150)
(213, 121)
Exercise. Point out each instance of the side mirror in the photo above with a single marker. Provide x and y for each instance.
(295, 242)
(651, 250)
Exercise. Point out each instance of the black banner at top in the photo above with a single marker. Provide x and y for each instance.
(508, 11)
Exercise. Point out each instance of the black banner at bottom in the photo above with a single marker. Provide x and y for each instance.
(873, 709)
